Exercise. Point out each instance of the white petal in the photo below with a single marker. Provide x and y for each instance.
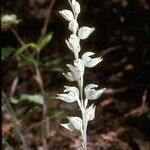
(87, 54)
(66, 97)
(76, 122)
(98, 93)
(67, 14)
(73, 26)
(90, 113)
(68, 126)
(93, 62)
(74, 74)
(68, 76)
(70, 46)
(84, 32)
(89, 87)
(10, 19)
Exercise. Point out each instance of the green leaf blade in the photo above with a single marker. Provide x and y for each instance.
(43, 41)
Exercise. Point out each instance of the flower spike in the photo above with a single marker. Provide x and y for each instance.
(76, 73)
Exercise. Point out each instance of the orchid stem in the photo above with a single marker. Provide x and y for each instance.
(83, 108)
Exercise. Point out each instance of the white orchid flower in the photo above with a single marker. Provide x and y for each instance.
(67, 14)
(90, 62)
(68, 126)
(74, 74)
(74, 123)
(73, 44)
(8, 20)
(80, 65)
(84, 32)
(90, 113)
(73, 26)
(71, 96)
(91, 93)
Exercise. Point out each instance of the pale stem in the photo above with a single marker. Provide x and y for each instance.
(81, 90)
(85, 103)
(84, 129)
(17, 36)
(45, 125)
(79, 103)
(80, 83)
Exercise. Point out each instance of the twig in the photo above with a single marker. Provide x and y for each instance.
(108, 50)
(141, 109)
(144, 98)
(11, 112)
(13, 87)
(44, 29)
(45, 124)
(17, 36)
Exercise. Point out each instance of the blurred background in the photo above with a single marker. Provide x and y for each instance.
(34, 56)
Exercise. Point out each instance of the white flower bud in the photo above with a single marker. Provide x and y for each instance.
(80, 65)
(73, 44)
(76, 8)
(90, 62)
(73, 26)
(91, 93)
(84, 32)
(67, 14)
